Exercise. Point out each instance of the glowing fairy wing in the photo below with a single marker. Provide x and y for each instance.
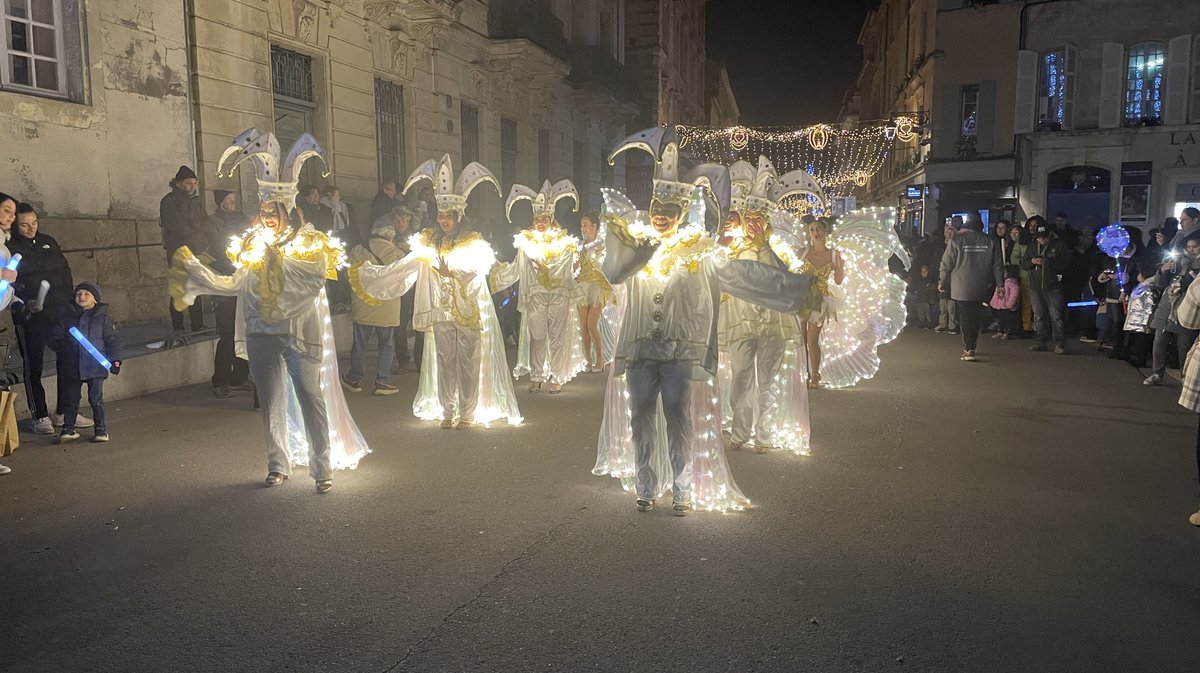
(788, 239)
(869, 303)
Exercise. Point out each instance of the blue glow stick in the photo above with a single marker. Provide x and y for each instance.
(1077, 304)
(11, 266)
(87, 345)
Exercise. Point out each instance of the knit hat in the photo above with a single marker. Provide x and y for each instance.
(219, 196)
(90, 287)
(184, 173)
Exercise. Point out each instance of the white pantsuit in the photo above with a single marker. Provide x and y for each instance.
(756, 362)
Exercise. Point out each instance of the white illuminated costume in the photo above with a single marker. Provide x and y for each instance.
(464, 370)
(662, 411)
(867, 309)
(763, 378)
(283, 325)
(546, 266)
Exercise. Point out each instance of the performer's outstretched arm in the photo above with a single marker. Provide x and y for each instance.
(373, 283)
(764, 285)
(624, 256)
(188, 278)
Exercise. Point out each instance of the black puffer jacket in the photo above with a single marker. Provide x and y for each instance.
(41, 259)
(183, 221)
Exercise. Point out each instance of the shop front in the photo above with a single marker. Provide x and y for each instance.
(989, 201)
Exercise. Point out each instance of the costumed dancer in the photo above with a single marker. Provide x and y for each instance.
(465, 378)
(597, 294)
(283, 327)
(863, 302)
(763, 377)
(546, 266)
(674, 273)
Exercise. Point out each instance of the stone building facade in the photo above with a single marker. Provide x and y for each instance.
(126, 91)
(930, 57)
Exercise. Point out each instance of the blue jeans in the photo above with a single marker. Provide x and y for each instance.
(648, 380)
(1048, 313)
(385, 336)
(73, 392)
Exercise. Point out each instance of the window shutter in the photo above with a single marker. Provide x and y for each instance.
(985, 127)
(1112, 85)
(1071, 56)
(1194, 117)
(947, 124)
(1179, 61)
(1025, 116)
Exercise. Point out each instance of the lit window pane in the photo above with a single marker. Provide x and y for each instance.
(17, 8)
(18, 36)
(43, 11)
(20, 71)
(43, 41)
(1143, 83)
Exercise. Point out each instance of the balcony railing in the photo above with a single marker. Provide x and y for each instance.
(532, 20)
(593, 64)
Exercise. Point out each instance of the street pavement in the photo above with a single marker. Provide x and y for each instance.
(1027, 512)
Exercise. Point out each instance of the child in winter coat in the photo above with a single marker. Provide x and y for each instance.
(1006, 299)
(922, 296)
(77, 366)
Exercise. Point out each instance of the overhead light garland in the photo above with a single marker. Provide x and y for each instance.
(839, 158)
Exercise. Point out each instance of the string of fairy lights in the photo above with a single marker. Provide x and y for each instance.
(839, 158)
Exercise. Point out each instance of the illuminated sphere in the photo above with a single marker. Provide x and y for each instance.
(1112, 240)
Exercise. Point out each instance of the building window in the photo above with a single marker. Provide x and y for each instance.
(969, 107)
(291, 74)
(508, 153)
(1143, 83)
(389, 129)
(543, 154)
(294, 102)
(469, 126)
(33, 46)
(1052, 111)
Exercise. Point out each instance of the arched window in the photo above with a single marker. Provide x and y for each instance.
(1143, 83)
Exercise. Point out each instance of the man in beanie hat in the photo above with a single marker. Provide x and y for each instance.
(183, 221)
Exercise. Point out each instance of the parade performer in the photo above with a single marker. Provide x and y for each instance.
(464, 370)
(546, 266)
(674, 273)
(597, 293)
(762, 368)
(863, 302)
(283, 327)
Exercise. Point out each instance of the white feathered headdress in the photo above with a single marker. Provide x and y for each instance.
(449, 193)
(543, 202)
(277, 181)
(762, 189)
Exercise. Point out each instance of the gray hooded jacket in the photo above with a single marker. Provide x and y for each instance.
(971, 266)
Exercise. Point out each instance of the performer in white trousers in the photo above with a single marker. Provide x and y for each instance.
(280, 268)
(674, 273)
(464, 371)
(546, 266)
(765, 349)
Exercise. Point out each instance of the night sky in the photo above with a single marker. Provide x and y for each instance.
(789, 61)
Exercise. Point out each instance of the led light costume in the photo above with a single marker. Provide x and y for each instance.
(464, 370)
(596, 306)
(763, 373)
(867, 309)
(662, 410)
(546, 266)
(283, 325)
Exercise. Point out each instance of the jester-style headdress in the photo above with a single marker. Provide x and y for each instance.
(663, 144)
(762, 189)
(449, 193)
(277, 181)
(543, 202)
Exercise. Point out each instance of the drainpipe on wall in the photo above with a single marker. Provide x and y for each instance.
(189, 36)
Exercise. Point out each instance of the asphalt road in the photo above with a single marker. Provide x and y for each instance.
(1024, 513)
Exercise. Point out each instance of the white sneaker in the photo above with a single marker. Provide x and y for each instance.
(43, 426)
(4, 469)
(81, 421)
(1152, 380)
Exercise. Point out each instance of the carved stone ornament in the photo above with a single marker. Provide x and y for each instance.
(306, 20)
(399, 51)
